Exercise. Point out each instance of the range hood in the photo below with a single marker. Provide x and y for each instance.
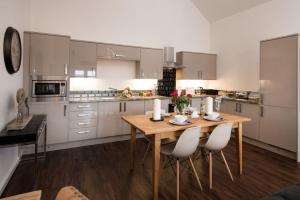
(169, 61)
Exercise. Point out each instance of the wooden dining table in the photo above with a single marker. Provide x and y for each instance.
(163, 129)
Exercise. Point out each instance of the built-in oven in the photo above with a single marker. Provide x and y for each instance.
(49, 87)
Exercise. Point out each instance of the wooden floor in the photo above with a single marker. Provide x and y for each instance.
(102, 172)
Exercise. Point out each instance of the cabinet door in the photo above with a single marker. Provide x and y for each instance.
(151, 64)
(131, 108)
(49, 55)
(196, 103)
(278, 71)
(198, 66)
(57, 120)
(251, 129)
(83, 61)
(278, 127)
(118, 52)
(208, 66)
(229, 107)
(109, 119)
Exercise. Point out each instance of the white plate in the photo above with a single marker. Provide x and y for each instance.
(215, 120)
(166, 114)
(172, 121)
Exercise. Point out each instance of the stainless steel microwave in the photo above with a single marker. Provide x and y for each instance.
(48, 88)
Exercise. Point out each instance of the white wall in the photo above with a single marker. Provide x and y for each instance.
(14, 13)
(236, 41)
(153, 23)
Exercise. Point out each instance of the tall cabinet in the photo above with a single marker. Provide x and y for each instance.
(279, 88)
(49, 54)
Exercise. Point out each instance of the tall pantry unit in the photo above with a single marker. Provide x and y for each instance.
(279, 88)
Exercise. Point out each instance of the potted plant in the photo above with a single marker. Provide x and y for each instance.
(180, 102)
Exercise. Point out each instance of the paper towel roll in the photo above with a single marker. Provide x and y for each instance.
(157, 109)
(209, 105)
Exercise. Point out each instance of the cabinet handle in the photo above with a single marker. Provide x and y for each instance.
(124, 106)
(236, 107)
(201, 75)
(119, 55)
(261, 111)
(86, 106)
(262, 98)
(66, 69)
(83, 115)
(83, 132)
(83, 123)
(240, 108)
(65, 110)
(142, 73)
(120, 108)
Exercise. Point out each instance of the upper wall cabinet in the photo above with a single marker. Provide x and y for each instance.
(111, 51)
(49, 54)
(198, 66)
(151, 64)
(83, 59)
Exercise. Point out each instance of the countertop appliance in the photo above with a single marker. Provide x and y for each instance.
(50, 87)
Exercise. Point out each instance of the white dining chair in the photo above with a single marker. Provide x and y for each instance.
(165, 141)
(184, 148)
(217, 141)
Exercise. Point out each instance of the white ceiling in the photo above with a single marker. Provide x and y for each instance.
(215, 10)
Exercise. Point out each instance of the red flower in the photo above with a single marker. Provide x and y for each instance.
(174, 94)
(189, 96)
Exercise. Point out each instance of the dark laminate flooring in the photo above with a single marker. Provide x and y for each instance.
(102, 172)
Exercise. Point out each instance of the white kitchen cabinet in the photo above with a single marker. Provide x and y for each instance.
(57, 119)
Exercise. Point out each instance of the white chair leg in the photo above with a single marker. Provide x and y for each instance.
(177, 176)
(227, 167)
(210, 170)
(195, 172)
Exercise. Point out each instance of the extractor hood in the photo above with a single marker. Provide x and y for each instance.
(169, 61)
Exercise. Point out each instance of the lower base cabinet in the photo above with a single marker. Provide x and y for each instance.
(250, 129)
(109, 119)
(57, 119)
(83, 121)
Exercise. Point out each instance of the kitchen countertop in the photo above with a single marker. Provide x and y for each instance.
(108, 99)
(250, 101)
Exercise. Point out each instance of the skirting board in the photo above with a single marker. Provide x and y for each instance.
(5, 181)
(30, 148)
(271, 148)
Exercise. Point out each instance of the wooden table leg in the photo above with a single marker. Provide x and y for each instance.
(156, 164)
(239, 147)
(132, 147)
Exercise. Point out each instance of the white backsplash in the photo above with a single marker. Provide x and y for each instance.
(183, 84)
(112, 74)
